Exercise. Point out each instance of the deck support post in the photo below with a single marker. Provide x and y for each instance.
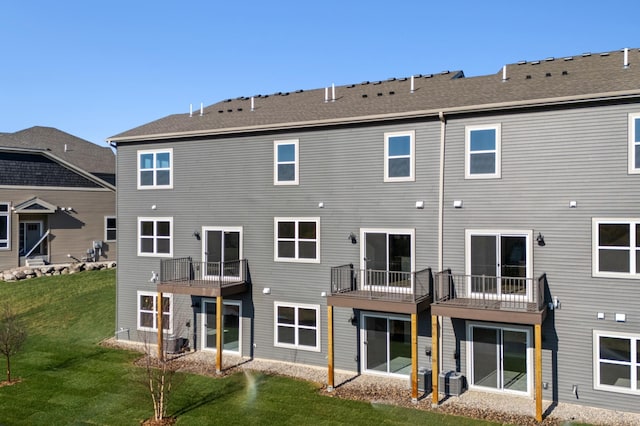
(434, 361)
(414, 358)
(219, 332)
(538, 372)
(160, 327)
(330, 382)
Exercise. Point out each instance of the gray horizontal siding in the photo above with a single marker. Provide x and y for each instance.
(229, 182)
(548, 159)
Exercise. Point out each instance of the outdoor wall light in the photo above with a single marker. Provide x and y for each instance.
(540, 240)
(419, 204)
(154, 277)
(266, 290)
(457, 204)
(573, 204)
(352, 237)
(196, 234)
(574, 390)
(321, 205)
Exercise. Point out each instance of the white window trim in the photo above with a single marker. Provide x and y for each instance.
(595, 259)
(296, 162)
(469, 358)
(632, 144)
(155, 238)
(295, 259)
(395, 231)
(596, 361)
(154, 152)
(7, 214)
(106, 229)
(498, 152)
(412, 157)
(528, 234)
(203, 321)
(296, 306)
(363, 347)
(155, 311)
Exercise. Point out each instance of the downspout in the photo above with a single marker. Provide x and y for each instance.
(443, 128)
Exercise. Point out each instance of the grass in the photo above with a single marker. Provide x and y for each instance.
(68, 379)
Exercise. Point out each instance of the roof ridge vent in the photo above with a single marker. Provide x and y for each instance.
(569, 58)
(535, 63)
(604, 54)
(550, 58)
(521, 62)
(584, 55)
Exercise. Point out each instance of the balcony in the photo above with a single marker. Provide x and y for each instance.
(486, 298)
(210, 279)
(386, 291)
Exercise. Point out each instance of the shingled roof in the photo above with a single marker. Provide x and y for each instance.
(88, 156)
(548, 81)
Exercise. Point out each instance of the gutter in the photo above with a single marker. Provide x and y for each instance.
(561, 100)
(443, 127)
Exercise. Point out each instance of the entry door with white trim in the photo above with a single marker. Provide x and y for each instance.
(222, 251)
(499, 358)
(231, 325)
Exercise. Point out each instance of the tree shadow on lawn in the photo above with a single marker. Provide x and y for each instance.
(225, 388)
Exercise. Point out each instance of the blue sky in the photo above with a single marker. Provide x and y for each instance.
(97, 68)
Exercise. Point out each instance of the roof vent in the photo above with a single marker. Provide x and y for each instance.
(535, 63)
(379, 93)
(625, 64)
(229, 110)
(377, 82)
(521, 62)
(299, 91)
(565, 72)
(351, 86)
(528, 77)
(364, 95)
(428, 76)
(227, 100)
(418, 76)
(392, 92)
(604, 54)
(365, 82)
(569, 58)
(550, 58)
(445, 72)
(391, 79)
(548, 74)
(585, 54)
(239, 109)
(220, 111)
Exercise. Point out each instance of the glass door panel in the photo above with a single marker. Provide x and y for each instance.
(376, 344)
(399, 346)
(231, 323)
(485, 357)
(514, 360)
(513, 269)
(483, 264)
(213, 252)
(222, 254)
(209, 324)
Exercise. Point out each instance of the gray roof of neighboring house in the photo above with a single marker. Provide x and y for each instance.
(79, 152)
(548, 81)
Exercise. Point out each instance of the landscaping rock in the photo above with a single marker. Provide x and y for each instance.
(25, 272)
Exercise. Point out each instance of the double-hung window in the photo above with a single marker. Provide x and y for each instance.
(5, 226)
(155, 236)
(148, 311)
(109, 228)
(285, 164)
(634, 143)
(482, 151)
(399, 156)
(297, 326)
(616, 362)
(155, 169)
(616, 248)
(297, 239)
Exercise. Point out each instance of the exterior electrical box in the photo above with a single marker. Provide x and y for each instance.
(451, 383)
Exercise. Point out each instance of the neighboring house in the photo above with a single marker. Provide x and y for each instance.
(488, 226)
(57, 199)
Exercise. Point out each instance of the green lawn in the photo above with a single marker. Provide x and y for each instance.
(68, 379)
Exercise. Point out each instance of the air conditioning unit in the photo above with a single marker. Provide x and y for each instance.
(424, 380)
(174, 345)
(451, 383)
